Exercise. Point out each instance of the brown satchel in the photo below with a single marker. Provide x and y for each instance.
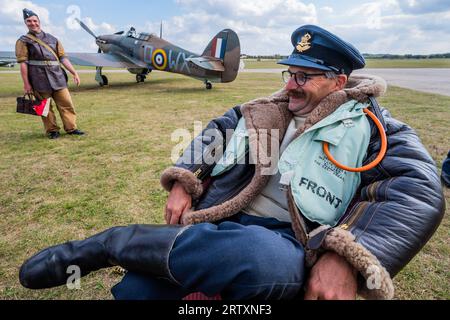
(35, 107)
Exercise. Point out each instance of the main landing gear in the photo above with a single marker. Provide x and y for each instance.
(141, 74)
(140, 78)
(100, 78)
(208, 85)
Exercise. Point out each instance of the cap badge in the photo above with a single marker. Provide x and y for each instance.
(304, 44)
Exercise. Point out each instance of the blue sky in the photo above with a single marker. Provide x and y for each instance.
(264, 26)
(114, 12)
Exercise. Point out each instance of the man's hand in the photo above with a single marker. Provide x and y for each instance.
(68, 65)
(179, 202)
(76, 79)
(27, 88)
(332, 278)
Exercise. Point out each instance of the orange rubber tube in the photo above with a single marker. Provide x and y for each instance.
(375, 162)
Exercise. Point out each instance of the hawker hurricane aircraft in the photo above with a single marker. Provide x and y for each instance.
(144, 52)
(6, 60)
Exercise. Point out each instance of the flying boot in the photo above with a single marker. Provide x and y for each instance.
(139, 248)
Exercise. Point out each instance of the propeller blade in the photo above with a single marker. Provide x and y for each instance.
(160, 30)
(85, 27)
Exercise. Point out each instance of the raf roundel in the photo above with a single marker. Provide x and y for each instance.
(159, 59)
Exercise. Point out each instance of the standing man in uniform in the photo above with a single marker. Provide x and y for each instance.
(40, 56)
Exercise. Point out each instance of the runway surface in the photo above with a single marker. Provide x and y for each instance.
(421, 79)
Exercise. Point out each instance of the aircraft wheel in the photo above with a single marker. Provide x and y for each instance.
(209, 85)
(105, 81)
(140, 78)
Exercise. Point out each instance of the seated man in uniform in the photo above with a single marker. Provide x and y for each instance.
(445, 175)
(132, 32)
(265, 226)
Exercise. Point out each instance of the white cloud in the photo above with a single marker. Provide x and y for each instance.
(371, 13)
(264, 27)
(11, 11)
(12, 27)
(103, 27)
(424, 6)
(327, 10)
(391, 30)
(233, 8)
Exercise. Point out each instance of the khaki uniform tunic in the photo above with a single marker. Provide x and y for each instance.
(48, 80)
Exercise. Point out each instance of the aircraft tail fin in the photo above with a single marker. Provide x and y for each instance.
(226, 47)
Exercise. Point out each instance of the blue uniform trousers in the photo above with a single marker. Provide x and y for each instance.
(244, 257)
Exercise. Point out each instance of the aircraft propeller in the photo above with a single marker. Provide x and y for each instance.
(86, 28)
(104, 79)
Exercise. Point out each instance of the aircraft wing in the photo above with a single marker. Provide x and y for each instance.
(136, 62)
(208, 63)
(7, 58)
(87, 59)
(103, 60)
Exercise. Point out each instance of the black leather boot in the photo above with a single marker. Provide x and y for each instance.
(139, 248)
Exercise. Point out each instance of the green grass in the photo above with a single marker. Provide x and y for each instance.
(263, 64)
(17, 68)
(408, 63)
(54, 191)
(370, 63)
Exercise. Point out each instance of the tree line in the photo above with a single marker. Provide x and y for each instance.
(366, 56)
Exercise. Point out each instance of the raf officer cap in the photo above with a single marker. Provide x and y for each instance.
(317, 48)
(27, 13)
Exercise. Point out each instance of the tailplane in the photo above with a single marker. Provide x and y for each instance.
(225, 46)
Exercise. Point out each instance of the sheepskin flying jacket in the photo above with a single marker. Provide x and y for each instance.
(395, 211)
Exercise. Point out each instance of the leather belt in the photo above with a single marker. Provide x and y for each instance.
(43, 63)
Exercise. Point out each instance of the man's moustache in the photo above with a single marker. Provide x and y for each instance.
(295, 94)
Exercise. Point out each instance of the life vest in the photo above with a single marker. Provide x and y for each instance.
(320, 190)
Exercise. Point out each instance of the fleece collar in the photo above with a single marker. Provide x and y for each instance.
(272, 112)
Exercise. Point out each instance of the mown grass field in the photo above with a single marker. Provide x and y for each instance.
(370, 63)
(71, 188)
